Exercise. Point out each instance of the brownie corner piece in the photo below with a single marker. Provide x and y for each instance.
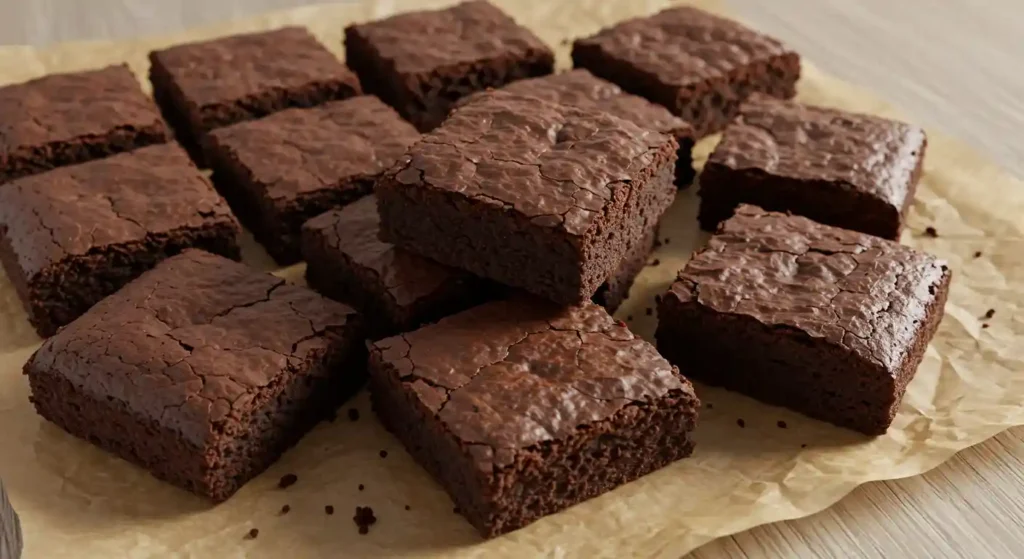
(73, 235)
(844, 169)
(178, 372)
(549, 198)
(470, 417)
(828, 322)
(281, 170)
(208, 84)
(395, 290)
(698, 65)
(422, 62)
(63, 119)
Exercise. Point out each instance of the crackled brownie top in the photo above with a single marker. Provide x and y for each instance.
(241, 67)
(72, 210)
(352, 232)
(511, 374)
(422, 42)
(684, 46)
(855, 290)
(869, 154)
(553, 164)
(187, 345)
(580, 88)
(298, 151)
(63, 107)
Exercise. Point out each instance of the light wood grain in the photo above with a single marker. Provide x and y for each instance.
(951, 65)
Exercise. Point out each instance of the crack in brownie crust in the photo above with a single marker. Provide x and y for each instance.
(279, 171)
(698, 65)
(561, 193)
(71, 236)
(64, 119)
(421, 63)
(178, 372)
(844, 169)
(829, 322)
(521, 409)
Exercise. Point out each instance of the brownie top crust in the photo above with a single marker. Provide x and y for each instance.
(684, 46)
(64, 107)
(556, 165)
(858, 291)
(510, 374)
(353, 230)
(187, 345)
(240, 67)
(297, 151)
(580, 88)
(71, 211)
(425, 41)
(864, 153)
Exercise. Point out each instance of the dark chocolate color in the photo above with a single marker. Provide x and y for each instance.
(545, 197)
(521, 408)
(844, 169)
(71, 236)
(202, 371)
(277, 172)
(64, 119)
(205, 85)
(580, 88)
(828, 322)
(700, 66)
(421, 63)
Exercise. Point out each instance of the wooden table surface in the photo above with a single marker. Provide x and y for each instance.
(953, 65)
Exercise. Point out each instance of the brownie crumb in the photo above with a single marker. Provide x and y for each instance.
(407, 507)
(741, 423)
(331, 416)
(353, 414)
(456, 510)
(709, 405)
(666, 241)
(657, 243)
(329, 509)
(990, 313)
(287, 481)
(984, 325)
(657, 298)
(781, 424)
(931, 232)
(361, 487)
(564, 42)
(286, 509)
(383, 454)
(803, 445)
(252, 534)
(648, 311)
(364, 518)
(655, 262)
(629, 318)
(977, 254)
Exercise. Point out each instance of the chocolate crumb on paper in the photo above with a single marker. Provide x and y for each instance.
(408, 507)
(649, 311)
(977, 254)
(364, 518)
(781, 424)
(287, 481)
(252, 534)
(361, 487)
(353, 414)
(286, 509)
(984, 325)
(741, 423)
(383, 454)
(990, 313)
(329, 509)
(931, 232)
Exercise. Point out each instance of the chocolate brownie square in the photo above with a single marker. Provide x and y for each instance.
(700, 66)
(536, 195)
(64, 119)
(279, 171)
(71, 236)
(394, 289)
(202, 371)
(421, 63)
(825, 321)
(844, 169)
(580, 88)
(205, 85)
(521, 408)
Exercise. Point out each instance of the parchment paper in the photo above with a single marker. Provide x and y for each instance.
(79, 502)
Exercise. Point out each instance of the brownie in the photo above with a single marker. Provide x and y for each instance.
(279, 171)
(205, 85)
(580, 88)
(395, 290)
(698, 65)
(64, 119)
(71, 236)
(825, 321)
(844, 169)
(10, 528)
(521, 408)
(203, 371)
(545, 197)
(422, 62)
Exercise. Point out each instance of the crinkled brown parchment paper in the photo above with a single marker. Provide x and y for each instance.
(78, 502)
